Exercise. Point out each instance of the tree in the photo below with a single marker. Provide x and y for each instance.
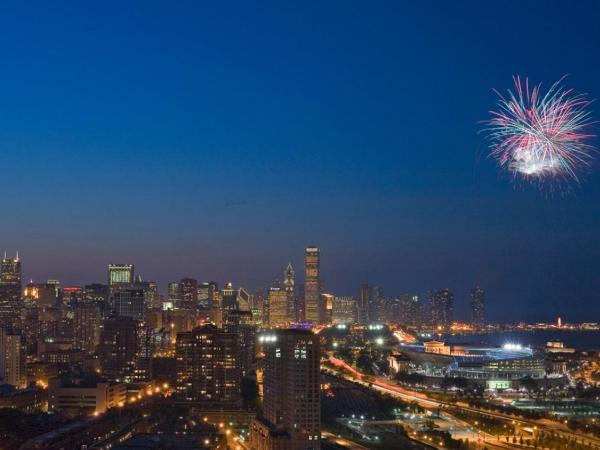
(365, 363)
(345, 354)
(430, 425)
(411, 378)
(529, 384)
(384, 366)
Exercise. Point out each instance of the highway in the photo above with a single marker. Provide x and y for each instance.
(342, 441)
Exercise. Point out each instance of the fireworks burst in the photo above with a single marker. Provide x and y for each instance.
(541, 137)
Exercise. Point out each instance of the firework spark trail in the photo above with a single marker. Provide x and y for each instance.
(541, 137)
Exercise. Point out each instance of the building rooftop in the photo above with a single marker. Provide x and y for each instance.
(164, 441)
(8, 390)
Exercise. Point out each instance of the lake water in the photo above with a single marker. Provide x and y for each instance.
(581, 340)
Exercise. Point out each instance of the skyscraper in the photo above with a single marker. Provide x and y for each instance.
(206, 292)
(364, 300)
(244, 299)
(189, 293)
(241, 324)
(42, 294)
(478, 307)
(11, 270)
(404, 310)
(130, 301)
(312, 285)
(30, 324)
(326, 313)
(371, 304)
(441, 308)
(291, 392)
(278, 307)
(72, 295)
(96, 292)
(120, 274)
(12, 359)
(87, 318)
(57, 290)
(229, 296)
(152, 298)
(289, 283)
(344, 310)
(146, 337)
(216, 309)
(377, 305)
(10, 291)
(173, 296)
(207, 367)
(118, 347)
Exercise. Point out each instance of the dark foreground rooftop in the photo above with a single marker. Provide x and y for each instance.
(163, 441)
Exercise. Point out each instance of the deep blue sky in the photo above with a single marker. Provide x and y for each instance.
(216, 141)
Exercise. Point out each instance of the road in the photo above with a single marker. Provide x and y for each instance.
(233, 441)
(342, 441)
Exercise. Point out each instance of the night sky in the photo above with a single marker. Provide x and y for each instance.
(216, 141)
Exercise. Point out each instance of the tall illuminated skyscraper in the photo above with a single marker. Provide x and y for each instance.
(173, 296)
(42, 294)
(189, 293)
(312, 285)
(10, 290)
(278, 307)
(216, 309)
(291, 412)
(326, 313)
(289, 284)
(244, 299)
(87, 318)
(118, 347)
(229, 296)
(208, 370)
(344, 310)
(11, 270)
(241, 324)
(478, 307)
(120, 274)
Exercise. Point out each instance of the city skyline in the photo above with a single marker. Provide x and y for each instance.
(464, 305)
